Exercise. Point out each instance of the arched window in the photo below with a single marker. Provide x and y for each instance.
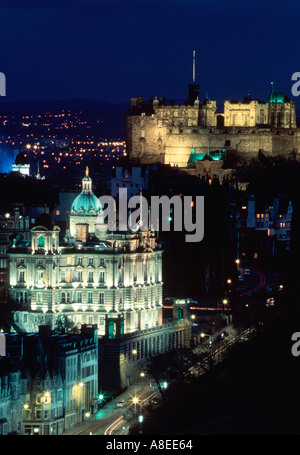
(262, 116)
(41, 242)
(287, 118)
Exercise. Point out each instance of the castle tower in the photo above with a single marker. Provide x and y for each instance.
(282, 112)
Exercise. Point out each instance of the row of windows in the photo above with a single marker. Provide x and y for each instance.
(54, 413)
(88, 371)
(66, 297)
(66, 276)
(91, 261)
(153, 345)
(21, 297)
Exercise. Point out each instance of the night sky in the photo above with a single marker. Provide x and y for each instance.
(115, 49)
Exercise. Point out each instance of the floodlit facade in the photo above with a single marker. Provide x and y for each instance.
(172, 133)
(112, 280)
(86, 277)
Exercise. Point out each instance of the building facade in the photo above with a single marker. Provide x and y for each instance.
(12, 392)
(157, 132)
(56, 384)
(265, 228)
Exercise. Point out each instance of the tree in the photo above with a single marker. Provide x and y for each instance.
(171, 370)
(65, 325)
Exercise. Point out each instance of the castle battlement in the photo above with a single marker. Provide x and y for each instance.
(168, 133)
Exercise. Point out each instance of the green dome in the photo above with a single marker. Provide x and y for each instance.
(85, 203)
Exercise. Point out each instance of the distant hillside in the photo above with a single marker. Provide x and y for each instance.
(113, 115)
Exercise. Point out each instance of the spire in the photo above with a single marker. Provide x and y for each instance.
(87, 170)
(194, 66)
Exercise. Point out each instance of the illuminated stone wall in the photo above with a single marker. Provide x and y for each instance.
(156, 132)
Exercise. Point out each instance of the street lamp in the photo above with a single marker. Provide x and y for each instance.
(100, 399)
(229, 281)
(135, 401)
(141, 419)
(203, 335)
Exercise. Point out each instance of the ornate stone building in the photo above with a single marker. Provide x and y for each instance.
(157, 132)
(109, 279)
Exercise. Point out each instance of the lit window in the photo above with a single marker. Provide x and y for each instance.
(101, 277)
(22, 276)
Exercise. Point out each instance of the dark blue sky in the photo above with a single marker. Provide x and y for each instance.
(114, 49)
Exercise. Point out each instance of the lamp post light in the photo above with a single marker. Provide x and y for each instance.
(135, 401)
(140, 419)
(100, 400)
(203, 335)
(225, 302)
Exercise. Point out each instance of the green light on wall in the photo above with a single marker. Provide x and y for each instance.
(196, 156)
(180, 314)
(217, 156)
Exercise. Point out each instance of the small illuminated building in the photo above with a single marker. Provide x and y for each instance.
(21, 164)
(265, 228)
(208, 166)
